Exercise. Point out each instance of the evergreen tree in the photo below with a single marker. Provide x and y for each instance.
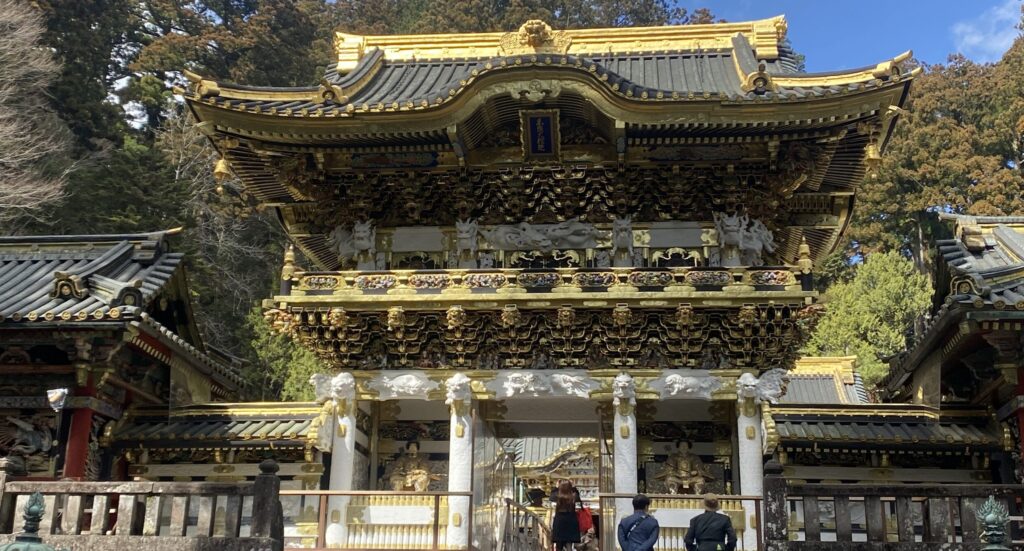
(284, 368)
(868, 315)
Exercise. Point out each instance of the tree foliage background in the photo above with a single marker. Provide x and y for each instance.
(121, 154)
(868, 314)
(108, 113)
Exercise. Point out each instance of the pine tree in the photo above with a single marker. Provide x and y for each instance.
(868, 315)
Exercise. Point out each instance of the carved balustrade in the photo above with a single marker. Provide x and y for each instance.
(559, 281)
(889, 517)
(152, 515)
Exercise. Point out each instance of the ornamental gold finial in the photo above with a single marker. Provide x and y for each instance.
(221, 170)
(872, 159)
(804, 263)
(288, 269)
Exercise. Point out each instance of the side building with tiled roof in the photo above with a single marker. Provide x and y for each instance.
(827, 427)
(968, 351)
(108, 318)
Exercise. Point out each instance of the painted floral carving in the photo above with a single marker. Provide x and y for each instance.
(707, 277)
(651, 279)
(375, 282)
(429, 281)
(484, 281)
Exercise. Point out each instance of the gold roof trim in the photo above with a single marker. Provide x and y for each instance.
(247, 408)
(537, 37)
(842, 367)
(888, 68)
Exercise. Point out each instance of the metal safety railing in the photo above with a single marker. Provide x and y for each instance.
(326, 519)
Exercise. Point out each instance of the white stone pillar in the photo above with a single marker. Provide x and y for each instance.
(337, 434)
(751, 456)
(460, 459)
(624, 426)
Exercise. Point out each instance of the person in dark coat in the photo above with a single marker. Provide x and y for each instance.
(639, 531)
(565, 527)
(710, 530)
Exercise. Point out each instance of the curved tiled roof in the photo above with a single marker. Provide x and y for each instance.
(97, 278)
(981, 269)
(379, 84)
(883, 426)
(77, 278)
(219, 425)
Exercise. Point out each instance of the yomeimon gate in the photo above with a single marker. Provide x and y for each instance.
(592, 248)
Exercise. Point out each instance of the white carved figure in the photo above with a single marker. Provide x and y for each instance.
(622, 240)
(676, 385)
(517, 238)
(359, 244)
(457, 389)
(466, 242)
(321, 387)
(343, 386)
(769, 387)
(526, 382)
(730, 237)
(573, 234)
(572, 385)
(602, 258)
(623, 390)
(406, 385)
(757, 242)
(486, 260)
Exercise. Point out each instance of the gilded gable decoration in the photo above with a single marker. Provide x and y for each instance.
(535, 36)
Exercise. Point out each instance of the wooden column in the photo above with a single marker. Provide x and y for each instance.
(76, 452)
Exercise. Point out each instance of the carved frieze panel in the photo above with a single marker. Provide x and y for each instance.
(762, 336)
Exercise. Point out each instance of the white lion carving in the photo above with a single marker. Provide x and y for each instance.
(407, 385)
(457, 389)
(321, 387)
(573, 385)
(466, 242)
(757, 242)
(525, 382)
(359, 244)
(623, 390)
(769, 387)
(339, 387)
(622, 240)
(676, 385)
(742, 241)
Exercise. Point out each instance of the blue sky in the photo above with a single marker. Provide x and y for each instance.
(840, 34)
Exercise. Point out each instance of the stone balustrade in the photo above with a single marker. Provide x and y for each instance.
(157, 516)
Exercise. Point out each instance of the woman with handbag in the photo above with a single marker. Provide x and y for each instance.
(565, 527)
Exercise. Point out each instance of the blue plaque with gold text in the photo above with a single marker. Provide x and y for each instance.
(540, 134)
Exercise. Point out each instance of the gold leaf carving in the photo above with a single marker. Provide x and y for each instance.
(535, 36)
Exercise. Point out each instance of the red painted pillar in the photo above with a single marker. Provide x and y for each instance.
(76, 452)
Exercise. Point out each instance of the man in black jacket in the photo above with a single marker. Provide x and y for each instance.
(710, 530)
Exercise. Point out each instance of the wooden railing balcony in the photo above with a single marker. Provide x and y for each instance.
(889, 517)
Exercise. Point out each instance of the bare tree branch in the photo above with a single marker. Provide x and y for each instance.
(33, 165)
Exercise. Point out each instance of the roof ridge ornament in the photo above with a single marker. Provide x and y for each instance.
(534, 36)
